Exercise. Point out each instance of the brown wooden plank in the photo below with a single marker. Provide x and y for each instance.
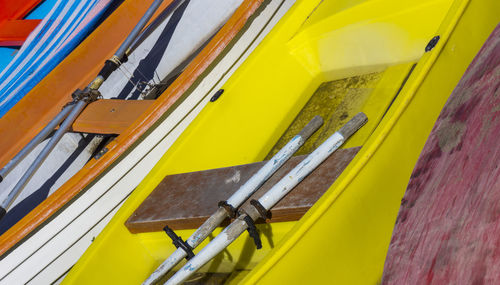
(448, 227)
(110, 116)
(185, 201)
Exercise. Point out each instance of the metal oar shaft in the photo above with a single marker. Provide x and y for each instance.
(120, 55)
(35, 141)
(137, 29)
(240, 196)
(65, 111)
(146, 32)
(75, 111)
(268, 200)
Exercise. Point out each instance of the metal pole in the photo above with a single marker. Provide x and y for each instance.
(268, 200)
(155, 24)
(120, 55)
(35, 141)
(137, 29)
(240, 196)
(75, 111)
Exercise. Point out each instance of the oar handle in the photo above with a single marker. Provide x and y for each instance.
(311, 127)
(353, 125)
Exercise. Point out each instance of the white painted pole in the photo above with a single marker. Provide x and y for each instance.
(240, 196)
(268, 200)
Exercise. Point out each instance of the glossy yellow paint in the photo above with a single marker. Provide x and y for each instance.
(347, 232)
(345, 236)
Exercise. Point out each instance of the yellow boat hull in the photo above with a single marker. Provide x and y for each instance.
(344, 237)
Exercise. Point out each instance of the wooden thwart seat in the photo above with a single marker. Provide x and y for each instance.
(185, 201)
(110, 116)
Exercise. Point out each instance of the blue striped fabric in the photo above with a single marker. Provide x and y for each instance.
(6, 56)
(61, 31)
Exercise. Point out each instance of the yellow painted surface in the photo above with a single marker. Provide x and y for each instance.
(347, 232)
(345, 236)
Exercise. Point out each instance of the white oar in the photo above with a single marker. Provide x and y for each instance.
(268, 200)
(240, 196)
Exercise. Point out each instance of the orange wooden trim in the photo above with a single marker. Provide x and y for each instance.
(15, 32)
(110, 116)
(92, 169)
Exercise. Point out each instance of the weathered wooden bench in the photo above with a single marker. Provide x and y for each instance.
(185, 201)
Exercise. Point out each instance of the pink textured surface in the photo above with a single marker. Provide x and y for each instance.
(448, 227)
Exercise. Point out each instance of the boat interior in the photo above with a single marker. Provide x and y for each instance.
(328, 58)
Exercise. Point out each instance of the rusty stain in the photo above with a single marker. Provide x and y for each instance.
(450, 135)
(336, 101)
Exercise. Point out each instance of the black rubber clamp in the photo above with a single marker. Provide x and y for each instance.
(252, 231)
(88, 95)
(108, 68)
(231, 211)
(124, 58)
(178, 242)
(263, 212)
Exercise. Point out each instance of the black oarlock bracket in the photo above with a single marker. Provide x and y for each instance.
(217, 95)
(231, 211)
(252, 231)
(265, 214)
(88, 95)
(432, 43)
(178, 242)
